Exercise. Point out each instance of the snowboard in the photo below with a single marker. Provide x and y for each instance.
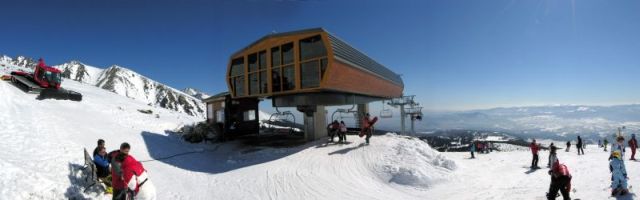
(371, 123)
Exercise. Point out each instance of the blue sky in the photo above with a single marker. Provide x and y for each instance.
(453, 55)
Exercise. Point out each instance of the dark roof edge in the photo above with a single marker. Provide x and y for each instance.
(272, 35)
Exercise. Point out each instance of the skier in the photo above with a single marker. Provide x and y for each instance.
(618, 174)
(606, 143)
(552, 155)
(618, 146)
(568, 146)
(633, 144)
(560, 180)
(534, 150)
(579, 146)
(343, 132)
(472, 148)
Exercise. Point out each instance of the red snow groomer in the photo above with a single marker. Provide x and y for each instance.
(45, 81)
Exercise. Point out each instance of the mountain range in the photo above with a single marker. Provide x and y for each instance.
(125, 82)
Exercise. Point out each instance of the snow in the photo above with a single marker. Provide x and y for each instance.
(42, 144)
(506, 175)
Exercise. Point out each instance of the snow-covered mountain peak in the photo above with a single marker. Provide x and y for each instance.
(196, 93)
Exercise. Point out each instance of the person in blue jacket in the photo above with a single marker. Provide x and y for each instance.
(472, 148)
(101, 162)
(618, 174)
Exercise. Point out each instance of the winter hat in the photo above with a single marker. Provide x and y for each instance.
(616, 154)
(633, 135)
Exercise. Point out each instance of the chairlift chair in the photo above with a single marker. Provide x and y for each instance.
(385, 112)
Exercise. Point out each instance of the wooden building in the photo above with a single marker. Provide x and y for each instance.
(308, 61)
(307, 69)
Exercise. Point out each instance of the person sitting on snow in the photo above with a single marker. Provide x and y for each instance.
(618, 174)
(568, 146)
(560, 180)
(136, 178)
(102, 166)
(97, 149)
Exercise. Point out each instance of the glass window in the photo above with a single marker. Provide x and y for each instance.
(220, 116)
(275, 56)
(276, 80)
(209, 111)
(249, 115)
(253, 84)
(253, 62)
(287, 53)
(312, 48)
(263, 81)
(309, 74)
(323, 67)
(262, 63)
(238, 85)
(237, 66)
(288, 78)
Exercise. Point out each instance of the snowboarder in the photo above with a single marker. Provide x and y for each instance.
(618, 174)
(343, 131)
(568, 146)
(633, 144)
(579, 146)
(334, 128)
(618, 146)
(472, 149)
(367, 126)
(97, 149)
(560, 180)
(136, 178)
(534, 150)
(605, 144)
(552, 155)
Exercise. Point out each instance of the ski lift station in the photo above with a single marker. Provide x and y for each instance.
(305, 69)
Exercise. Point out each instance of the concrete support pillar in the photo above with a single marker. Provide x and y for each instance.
(362, 110)
(315, 122)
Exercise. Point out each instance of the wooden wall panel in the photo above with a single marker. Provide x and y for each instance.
(343, 77)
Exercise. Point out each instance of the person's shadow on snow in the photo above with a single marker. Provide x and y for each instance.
(531, 170)
(347, 150)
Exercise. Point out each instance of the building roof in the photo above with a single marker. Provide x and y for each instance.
(342, 52)
(216, 96)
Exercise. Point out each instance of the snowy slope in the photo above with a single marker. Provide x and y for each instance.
(505, 175)
(43, 140)
(122, 81)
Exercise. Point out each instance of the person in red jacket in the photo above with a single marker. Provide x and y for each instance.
(560, 180)
(534, 150)
(633, 144)
(136, 178)
(117, 180)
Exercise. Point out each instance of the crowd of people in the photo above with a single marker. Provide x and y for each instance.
(339, 129)
(561, 177)
(123, 175)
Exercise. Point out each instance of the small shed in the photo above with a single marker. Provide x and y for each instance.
(234, 116)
